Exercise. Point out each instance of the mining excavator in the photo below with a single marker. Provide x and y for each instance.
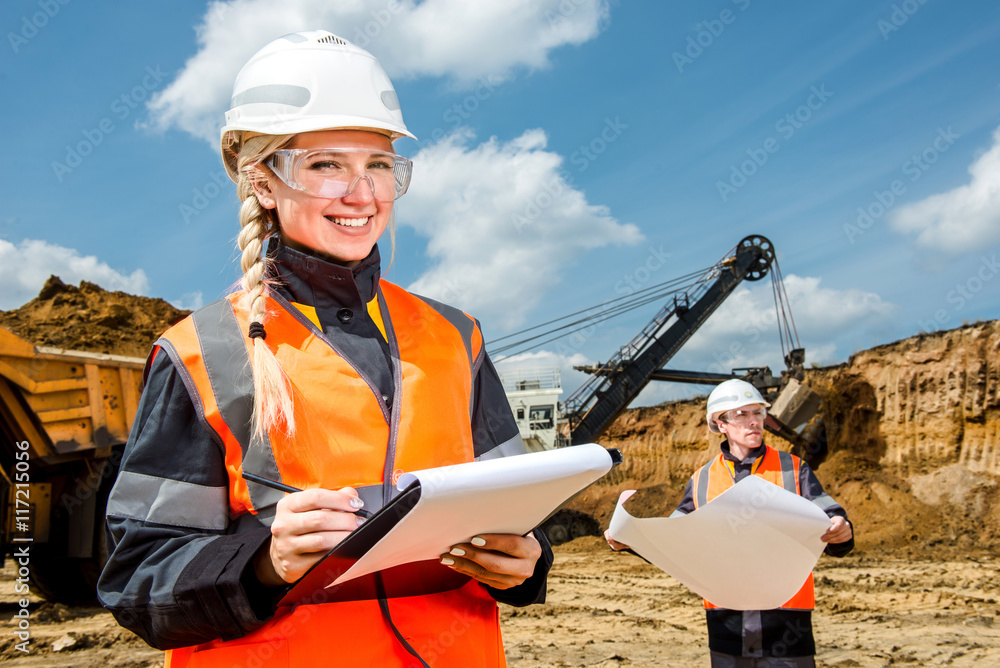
(585, 415)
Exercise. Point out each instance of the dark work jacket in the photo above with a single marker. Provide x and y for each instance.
(758, 633)
(176, 585)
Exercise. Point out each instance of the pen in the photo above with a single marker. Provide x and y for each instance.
(282, 487)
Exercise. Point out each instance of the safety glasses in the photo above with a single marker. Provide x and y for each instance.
(743, 416)
(336, 172)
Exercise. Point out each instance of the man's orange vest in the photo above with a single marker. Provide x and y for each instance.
(775, 466)
(346, 436)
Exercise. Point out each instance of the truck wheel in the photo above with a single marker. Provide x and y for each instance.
(556, 532)
(566, 525)
(62, 579)
(584, 525)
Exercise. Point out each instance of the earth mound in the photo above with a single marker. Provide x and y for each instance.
(91, 319)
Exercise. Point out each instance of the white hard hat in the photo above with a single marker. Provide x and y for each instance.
(309, 81)
(729, 395)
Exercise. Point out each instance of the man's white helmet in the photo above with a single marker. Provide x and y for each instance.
(729, 395)
(309, 81)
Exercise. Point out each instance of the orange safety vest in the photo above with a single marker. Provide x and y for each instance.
(346, 436)
(775, 466)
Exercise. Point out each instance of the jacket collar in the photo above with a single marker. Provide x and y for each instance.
(751, 457)
(309, 279)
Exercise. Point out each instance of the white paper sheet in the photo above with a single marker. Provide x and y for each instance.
(507, 495)
(750, 548)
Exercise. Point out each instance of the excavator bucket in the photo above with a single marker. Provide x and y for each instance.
(795, 416)
(795, 406)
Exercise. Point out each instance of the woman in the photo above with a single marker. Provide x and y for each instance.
(351, 381)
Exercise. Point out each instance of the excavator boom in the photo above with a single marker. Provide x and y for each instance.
(596, 404)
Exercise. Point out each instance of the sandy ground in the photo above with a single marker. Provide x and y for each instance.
(608, 609)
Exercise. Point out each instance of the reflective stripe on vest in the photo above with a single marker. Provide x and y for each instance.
(345, 436)
(777, 467)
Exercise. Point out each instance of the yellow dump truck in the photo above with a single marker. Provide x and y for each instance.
(64, 420)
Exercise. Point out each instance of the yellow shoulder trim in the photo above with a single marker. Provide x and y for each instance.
(309, 312)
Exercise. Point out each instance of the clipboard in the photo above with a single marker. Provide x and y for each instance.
(422, 577)
(575, 468)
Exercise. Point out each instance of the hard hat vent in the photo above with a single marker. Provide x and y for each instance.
(331, 39)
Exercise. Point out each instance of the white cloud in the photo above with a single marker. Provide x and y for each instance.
(657, 393)
(541, 362)
(502, 224)
(545, 359)
(965, 218)
(189, 301)
(456, 39)
(743, 331)
(25, 268)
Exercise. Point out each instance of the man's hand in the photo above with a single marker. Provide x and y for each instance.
(615, 545)
(499, 560)
(839, 532)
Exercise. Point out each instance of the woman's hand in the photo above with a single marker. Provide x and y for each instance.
(499, 560)
(306, 526)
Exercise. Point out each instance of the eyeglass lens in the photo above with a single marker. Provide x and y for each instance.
(328, 175)
(739, 416)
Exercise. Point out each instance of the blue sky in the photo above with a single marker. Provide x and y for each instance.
(565, 149)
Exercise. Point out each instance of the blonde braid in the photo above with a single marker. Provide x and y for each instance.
(272, 404)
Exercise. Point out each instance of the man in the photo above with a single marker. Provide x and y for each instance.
(779, 638)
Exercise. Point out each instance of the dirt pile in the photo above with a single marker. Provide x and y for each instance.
(92, 319)
(914, 436)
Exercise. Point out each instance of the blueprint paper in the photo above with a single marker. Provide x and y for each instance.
(509, 495)
(750, 548)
